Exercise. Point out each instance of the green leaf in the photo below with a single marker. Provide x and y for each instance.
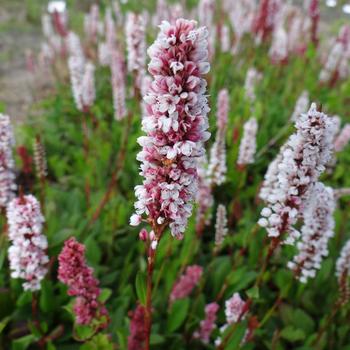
(105, 294)
(156, 339)
(141, 289)
(253, 292)
(4, 323)
(292, 334)
(98, 342)
(178, 313)
(23, 343)
(82, 332)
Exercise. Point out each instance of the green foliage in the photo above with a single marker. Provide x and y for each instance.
(118, 257)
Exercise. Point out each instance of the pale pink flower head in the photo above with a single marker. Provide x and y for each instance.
(318, 228)
(27, 252)
(7, 165)
(222, 109)
(136, 46)
(118, 84)
(301, 106)
(235, 309)
(220, 225)
(247, 146)
(176, 125)
(279, 48)
(74, 272)
(252, 79)
(186, 283)
(342, 139)
(208, 324)
(88, 93)
(91, 23)
(343, 272)
(288, 182)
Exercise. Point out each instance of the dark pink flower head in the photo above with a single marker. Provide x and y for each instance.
(265, 19)
(137, 335)
(208, 324)
(176, 125)
(74, 272)
(314, 13)
(186, 283)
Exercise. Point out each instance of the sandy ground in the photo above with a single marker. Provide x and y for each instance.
(17, 85)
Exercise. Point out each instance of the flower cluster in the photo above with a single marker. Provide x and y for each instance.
(265, 19)
(316, 231)
(241, 14)
(207, 325)
(88, 93)
(137, 335)
(217, 166)
(220, 224)
(279, 47)
(301, 106)
(7, 176)
(91, 23)
(288, 182)
(247, 147)
(27, 252)
(342, 139)
(251, 80)
(225, 40)
(235, 310)
(81, 74)
(343, 271)
(136, 46)
(74, 272)
(175, 123)
(118, 85)
(337, 63)
(186, 283)
(222, 109)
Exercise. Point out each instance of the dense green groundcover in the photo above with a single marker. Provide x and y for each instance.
(117, 255)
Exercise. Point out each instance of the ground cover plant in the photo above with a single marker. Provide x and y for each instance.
(185, 183)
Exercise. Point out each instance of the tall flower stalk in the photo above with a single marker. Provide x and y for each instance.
(176, 124)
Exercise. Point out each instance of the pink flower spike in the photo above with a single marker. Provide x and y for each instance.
(208, 324)
(342, 139)
(74, 272)
(136, 46)
(27, 252)
(222, 109)
(291, 177)
(137, 335)
(118, 85)
(7, 165)
(235, 309)
(176, 125)
(186, 283)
